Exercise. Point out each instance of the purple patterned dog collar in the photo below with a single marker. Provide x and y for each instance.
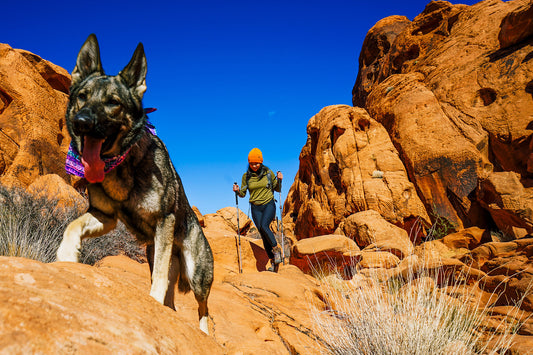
(74, 166)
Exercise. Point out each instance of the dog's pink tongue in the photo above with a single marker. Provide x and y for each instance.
(94, 166)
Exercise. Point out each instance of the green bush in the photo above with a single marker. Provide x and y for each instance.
(441, 227)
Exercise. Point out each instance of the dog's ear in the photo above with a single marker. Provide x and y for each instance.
(135, 72)
(88, 61)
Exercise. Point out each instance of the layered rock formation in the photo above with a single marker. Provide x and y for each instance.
(33, 135)
(440, 135)
(453, 91)
(450, 96)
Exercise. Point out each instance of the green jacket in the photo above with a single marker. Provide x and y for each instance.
(260, 193)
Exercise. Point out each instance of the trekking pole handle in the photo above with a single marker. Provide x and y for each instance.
(236, 196)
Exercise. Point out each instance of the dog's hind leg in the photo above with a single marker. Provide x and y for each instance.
(198, 260)
(203, 314)
(163, 243)
(91, 224)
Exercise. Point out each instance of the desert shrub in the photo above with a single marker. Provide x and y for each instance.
(501, 236)
(253, 233)
(32, 227)
(368, 316)
(441, 226)
(118, 241)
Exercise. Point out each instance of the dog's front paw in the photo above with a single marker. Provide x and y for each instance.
(158, 294)
(67, 253)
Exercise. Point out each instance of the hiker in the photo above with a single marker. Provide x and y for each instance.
(261, 182)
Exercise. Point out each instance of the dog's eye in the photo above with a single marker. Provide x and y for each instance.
(82, 96)
(113, 102)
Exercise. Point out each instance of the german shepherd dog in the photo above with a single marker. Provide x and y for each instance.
(105, 119)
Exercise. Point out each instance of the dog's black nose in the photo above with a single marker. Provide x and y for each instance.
(83, 123)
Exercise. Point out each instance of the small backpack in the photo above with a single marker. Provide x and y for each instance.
(263, 170)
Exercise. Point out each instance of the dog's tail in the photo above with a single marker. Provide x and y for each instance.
(184, 285)
(195, 262)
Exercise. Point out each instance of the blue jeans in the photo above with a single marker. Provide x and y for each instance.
(263, 215)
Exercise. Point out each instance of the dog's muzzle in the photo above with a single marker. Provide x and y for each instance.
(83, 123)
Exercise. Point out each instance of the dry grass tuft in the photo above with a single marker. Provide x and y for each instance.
(32, 227)
(410, 315)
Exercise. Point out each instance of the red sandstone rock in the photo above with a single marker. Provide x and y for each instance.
(373, 233)
(64, 308)
(468, 238)
(33, 136)
(53, 187)
(378, 259)
(227, 217)
(432, 250)
(456, 103)
(492, 250)
(509, 203)
(348, 165)
(516, 26)
(378, 42)
(74, 308)
(199, 215)
(315, 255)
(452, 88)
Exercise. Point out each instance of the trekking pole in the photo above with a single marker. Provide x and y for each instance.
(238, 231)
(281, 229)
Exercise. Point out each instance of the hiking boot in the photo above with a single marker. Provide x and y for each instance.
(277, 254)
(273, 266)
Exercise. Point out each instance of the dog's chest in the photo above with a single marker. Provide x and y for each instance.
(117, 189)
(148, 202)
(115, 194)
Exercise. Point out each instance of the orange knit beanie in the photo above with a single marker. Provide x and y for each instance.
(255, 156)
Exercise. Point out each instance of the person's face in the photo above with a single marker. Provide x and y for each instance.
(255, 166)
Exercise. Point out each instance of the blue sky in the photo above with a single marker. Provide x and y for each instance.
(225, 76)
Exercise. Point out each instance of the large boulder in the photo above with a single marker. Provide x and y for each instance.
(378, 259)
(516, 26)
(62, 308)
(230, 218)
(469, 238)
(373, 233)
(227, 250)
(226, 219)
(378, 42)
(348, 165)
(325, 254)
(54, 188)
(509, 203)
(65, 308)
(441, 161)
(33, 135)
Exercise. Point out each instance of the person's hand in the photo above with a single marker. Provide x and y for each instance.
(280, 175)
(235, 188)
